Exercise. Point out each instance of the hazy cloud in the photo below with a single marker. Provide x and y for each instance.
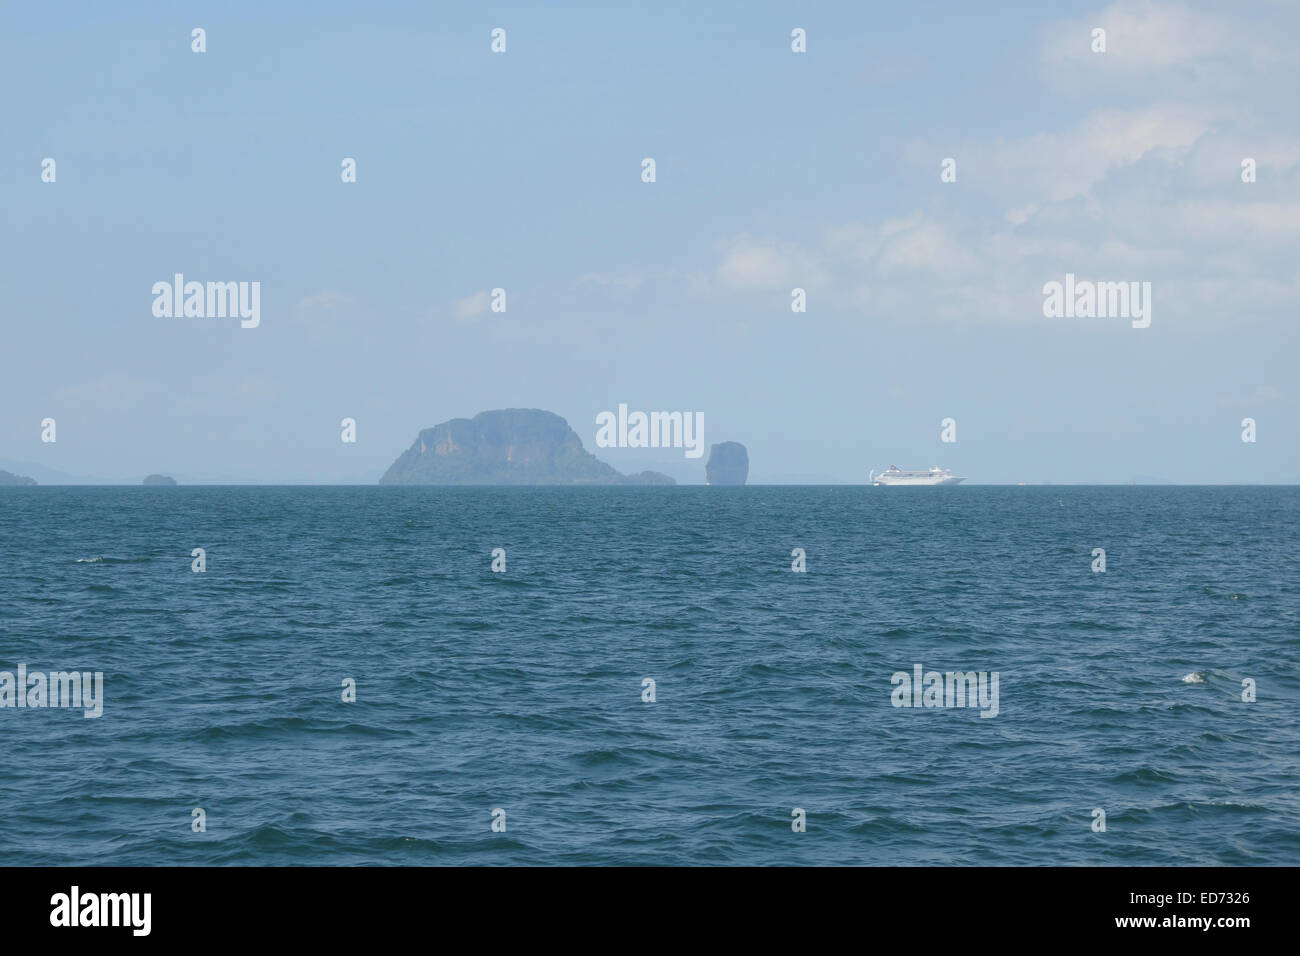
(472, 306)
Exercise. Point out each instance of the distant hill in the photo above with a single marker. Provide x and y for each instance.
(511, 446)
(159, 480)
(50, 476)
(8, 478)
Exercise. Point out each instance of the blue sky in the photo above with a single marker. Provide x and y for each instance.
(774, 170)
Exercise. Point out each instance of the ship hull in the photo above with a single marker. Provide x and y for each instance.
(938, 480)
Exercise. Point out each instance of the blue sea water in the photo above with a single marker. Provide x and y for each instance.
(522, 690)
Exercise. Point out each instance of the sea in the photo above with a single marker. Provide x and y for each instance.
(645, 679)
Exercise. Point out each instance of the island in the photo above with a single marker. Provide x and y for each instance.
(509, 446)
(728, 464)
(9, 478)
(159, 480)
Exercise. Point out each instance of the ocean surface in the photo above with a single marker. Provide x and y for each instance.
(522, 690)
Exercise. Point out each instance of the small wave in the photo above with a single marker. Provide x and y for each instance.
(112, 560)
(1194, 678)
(88, 560)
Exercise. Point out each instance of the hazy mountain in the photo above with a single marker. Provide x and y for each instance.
(7, 478)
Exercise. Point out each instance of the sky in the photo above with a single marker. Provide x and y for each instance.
(774, 170)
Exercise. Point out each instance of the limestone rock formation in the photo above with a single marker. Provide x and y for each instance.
(728, 464)
(511, 446)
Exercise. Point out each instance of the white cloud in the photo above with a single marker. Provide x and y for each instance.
(1052, 167)
(1162, 47)
(110, 393)
(472, 306)
(1143, 183)
(620, 282)
(750, 264)
(323, 312)
(326, 301)
(921, 244)
(1239, 220)
(1260, 395)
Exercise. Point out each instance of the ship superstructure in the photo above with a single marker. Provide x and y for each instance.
(893, 475)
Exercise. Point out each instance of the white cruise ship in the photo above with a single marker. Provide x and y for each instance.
(893, 475)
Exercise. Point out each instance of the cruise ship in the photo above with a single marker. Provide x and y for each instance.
(893, 475)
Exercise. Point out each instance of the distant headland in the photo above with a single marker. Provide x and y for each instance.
(8, 478)
(159, 480)
(510, 446)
